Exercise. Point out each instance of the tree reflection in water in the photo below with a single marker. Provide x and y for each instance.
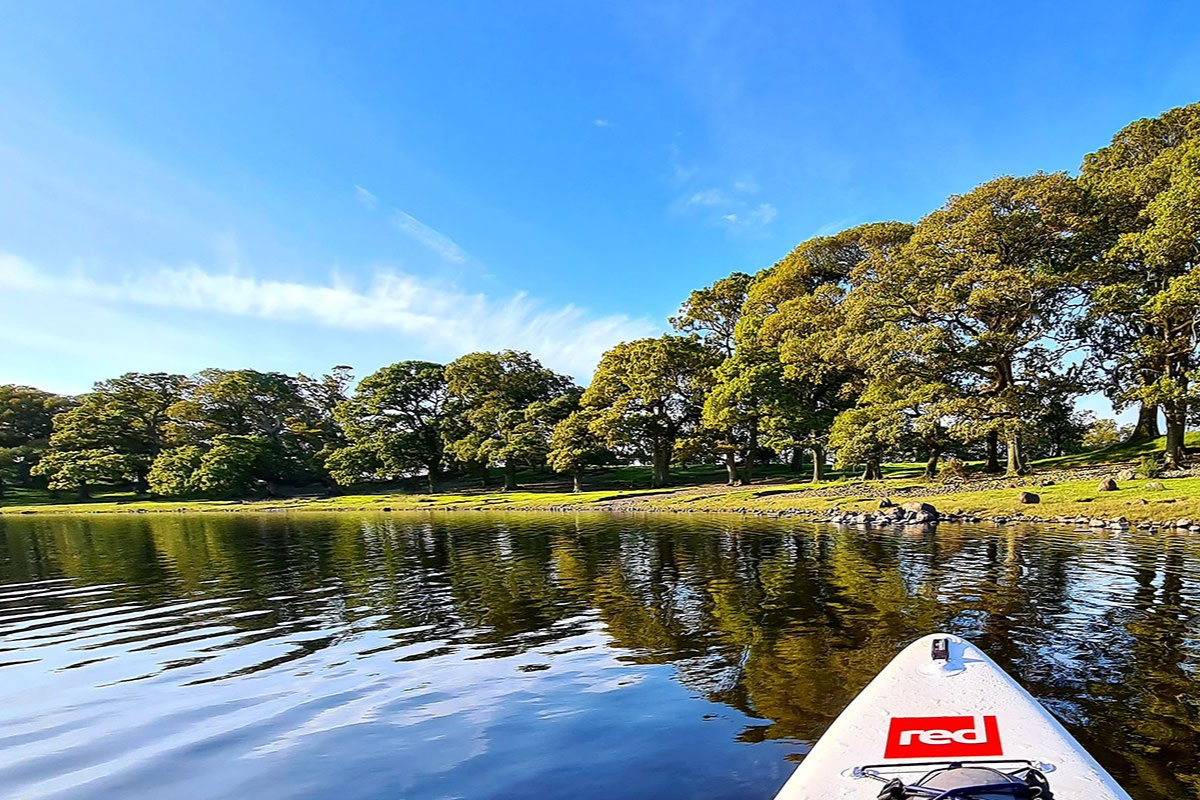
(780, 620)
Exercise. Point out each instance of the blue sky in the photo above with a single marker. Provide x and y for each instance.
(297, 185)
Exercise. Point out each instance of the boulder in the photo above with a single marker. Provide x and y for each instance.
(1028, 498)
(1107, 485)
(1098, 523)
(917, 513)
(1183, 523)
(1154, 486)
(886, 503)
(1126, 475)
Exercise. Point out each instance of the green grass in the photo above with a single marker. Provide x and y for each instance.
(1179, 497)
(700, 488)
(1117, 453)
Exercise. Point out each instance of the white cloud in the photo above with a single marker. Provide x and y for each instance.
(602, 123)
(682, 172)
(709, 197)
(365, 198)
(721, 207)
(761, 216)
(433, 239)
(765, 214)
(442, 319)
(746, 185)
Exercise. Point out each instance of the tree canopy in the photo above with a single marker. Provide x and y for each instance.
(973, 329)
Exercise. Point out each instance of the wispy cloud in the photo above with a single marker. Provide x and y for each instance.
(442, 318)
(730, 208)
(762, 215)
(710, 197)
(681, 171)
(746, 185)
(602, 123)
(365, 198)
(431, 238)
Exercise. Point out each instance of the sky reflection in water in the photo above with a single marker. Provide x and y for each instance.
(522, 655)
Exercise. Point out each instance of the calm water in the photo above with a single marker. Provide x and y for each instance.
(546, 656)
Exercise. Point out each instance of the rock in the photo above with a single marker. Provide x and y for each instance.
(1154, 486)
(886, 503)
(1183, 523)
(1047, 482)
(1084, 499)
(916, 507)
(1098, 523)
(1028, 498)
(1107, 485)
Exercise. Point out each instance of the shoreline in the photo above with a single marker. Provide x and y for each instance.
(1169, 503)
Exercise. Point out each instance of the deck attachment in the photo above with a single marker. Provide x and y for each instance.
(967, 780)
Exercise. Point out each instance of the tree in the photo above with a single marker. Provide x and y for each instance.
(574, 446)
(798, 308)
(971, 304)
(261, 405)
(322, 396)
(865, 434)
(1148, 306)
(82, 468)
(26, 422)
(748, 387)
(1104, 433)
(1135, 339)
(174, 472)
(396, 424)
(648, 393)
(507, 403)
(713, 312)
(239, 466)
(114, 433)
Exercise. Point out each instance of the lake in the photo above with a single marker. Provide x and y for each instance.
(552, 656)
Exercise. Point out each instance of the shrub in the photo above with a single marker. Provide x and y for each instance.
(953, 469)
(1150, 467)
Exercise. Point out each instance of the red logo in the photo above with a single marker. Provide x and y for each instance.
(943, 737)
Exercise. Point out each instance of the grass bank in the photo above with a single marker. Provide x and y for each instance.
(778, 492)
(1136, 500)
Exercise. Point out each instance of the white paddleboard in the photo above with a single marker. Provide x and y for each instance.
(923, 712)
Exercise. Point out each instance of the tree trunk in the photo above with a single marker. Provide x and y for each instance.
(992, 464)
(797, 460)
(931, 466)
(662, 466)
(731, 474)
(871, 471)
(434, 478)
(1016, 457)
(510, 476)
(818, 463)
(1176, 416)
(1147, 425)
(577, 480)
(482, 470)
(83, 492)
(751, 452)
